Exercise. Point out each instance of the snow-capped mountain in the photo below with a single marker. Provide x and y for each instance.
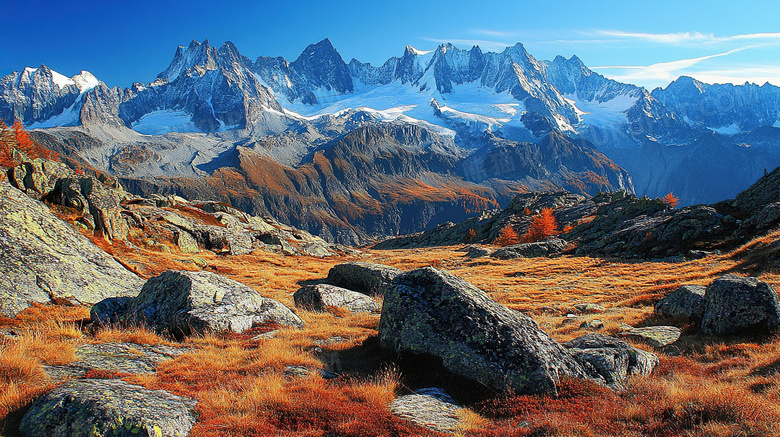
(41, 96)
(726, 109)
(217, 98)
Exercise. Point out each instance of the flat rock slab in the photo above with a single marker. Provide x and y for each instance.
(363, 277)
(321, 296)
(90, 407)
(430, 408)
(45, 260)
(656, 336)
(115, 357)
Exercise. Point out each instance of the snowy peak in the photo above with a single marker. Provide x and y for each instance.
(199, 56)
(39, 94)
(723, 108)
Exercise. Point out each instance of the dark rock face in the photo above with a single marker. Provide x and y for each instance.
(611, 359)
(321, 296)
(547, 247)
(648, 228)
(431, 312)
(734, 305)
(99, 204)
(35, 245)
(363, 277)
(182, 302)
(91, 407)
(687, 301)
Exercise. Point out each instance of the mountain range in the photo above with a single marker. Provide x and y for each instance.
(351, 151)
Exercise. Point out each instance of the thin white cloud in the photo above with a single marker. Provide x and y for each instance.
(662, 73)
(680, 38)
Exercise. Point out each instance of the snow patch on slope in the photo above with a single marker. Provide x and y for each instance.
(729, 130)
(164, 121)
(602, 114)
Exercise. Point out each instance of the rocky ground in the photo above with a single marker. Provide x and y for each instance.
(228, 324)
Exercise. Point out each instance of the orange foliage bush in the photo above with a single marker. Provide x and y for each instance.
(543, 225)
(671, 200)
(507, 237)
(17, 138)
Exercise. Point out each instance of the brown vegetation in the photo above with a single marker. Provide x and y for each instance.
(715, 387)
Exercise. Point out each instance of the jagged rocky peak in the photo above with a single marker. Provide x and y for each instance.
(321, 66)
(198, 55)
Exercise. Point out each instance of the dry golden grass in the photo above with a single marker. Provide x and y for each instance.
(718, 387)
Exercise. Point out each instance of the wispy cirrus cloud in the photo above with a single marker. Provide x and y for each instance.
(681, 38)
(662, 73)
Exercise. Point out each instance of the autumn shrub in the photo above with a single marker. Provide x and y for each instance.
(507, 237)
(671, 200)
(542, 226)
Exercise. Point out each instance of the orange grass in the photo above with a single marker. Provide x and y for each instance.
(718, 387)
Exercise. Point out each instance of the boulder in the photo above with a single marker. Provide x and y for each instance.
(434, 313)
(656, 336)
(734, 305)
(610, 359)
(44, 260)
(90, 407)
(182, 302)
(363, 277)
(687, 302)
(430, 408)
(546, 247)
(319, 297)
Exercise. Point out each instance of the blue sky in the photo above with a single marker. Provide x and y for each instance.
(649, 43)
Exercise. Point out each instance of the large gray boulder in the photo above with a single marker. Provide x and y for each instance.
(686, 302)
(321, 296)
(363, 277)
(610, 359)
(734, 305)
(431, 312)
(90, 407)
(44, 260)
(182, 302)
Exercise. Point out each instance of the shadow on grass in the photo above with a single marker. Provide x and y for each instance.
(415, 371)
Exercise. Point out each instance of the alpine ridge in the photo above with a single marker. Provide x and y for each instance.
(499, 123)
